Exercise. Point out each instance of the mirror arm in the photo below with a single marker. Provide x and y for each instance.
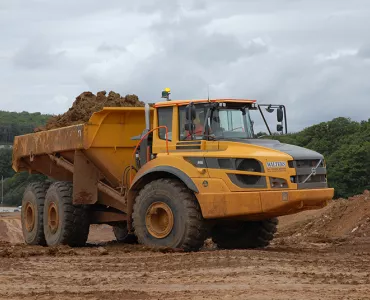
(264, 119)
(285, 119)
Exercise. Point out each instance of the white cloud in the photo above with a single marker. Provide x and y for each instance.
(321, 58)
(312, 55)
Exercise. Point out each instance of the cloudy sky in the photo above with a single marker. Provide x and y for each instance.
(311, 55)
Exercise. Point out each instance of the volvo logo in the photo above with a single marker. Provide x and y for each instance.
(313, 171)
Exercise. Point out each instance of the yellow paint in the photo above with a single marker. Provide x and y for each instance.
(261, 205)
(105, 139)
(186, 102)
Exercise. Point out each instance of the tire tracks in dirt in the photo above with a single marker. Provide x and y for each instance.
(276, 273)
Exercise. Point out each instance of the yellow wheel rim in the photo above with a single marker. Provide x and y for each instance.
(53, 218)
(159, 220)
(29, 211)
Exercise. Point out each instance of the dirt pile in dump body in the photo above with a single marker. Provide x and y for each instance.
(86, 104)
(343, 220)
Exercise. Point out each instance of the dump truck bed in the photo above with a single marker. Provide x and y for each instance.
(105, 139)
(26, 147)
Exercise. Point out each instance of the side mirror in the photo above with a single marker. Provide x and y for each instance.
(190, 112)
(279, 115)
(279, 128)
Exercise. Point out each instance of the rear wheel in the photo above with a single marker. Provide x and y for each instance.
(64, 223)
(121, 233)
(167, 214)
(244, 235)
(32, 213)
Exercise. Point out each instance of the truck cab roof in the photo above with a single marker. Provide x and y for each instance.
(186, 102)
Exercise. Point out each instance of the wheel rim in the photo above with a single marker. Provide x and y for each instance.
(53, 218)
(30, 216)
(159, 220)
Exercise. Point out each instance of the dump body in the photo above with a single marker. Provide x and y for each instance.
(105, 140)
(94, 156)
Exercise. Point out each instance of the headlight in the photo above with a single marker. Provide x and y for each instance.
(278, 183)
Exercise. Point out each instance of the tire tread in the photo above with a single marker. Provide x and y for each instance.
(39, 190)
(197, 229)
(76, 223)
(257, 234)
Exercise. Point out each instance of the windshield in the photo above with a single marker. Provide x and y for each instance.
(223, 122)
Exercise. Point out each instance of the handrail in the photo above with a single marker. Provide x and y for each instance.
(142, 138)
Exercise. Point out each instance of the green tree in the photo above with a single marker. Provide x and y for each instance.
(14, 187)
(11, 125)
(6, 163)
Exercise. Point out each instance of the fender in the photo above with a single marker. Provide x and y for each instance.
(171, 170)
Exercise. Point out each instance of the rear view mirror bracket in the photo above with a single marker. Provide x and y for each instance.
(280, 116)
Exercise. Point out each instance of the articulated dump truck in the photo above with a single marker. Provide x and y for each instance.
(167, 175)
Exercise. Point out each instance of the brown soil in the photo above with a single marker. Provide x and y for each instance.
(344, 221)
(10, 228)
(322, 254)
(86, 104)
(119, 272)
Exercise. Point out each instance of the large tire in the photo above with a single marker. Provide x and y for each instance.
(167, 214)
(121, 233)
(32, 214)
(244, 235)
(64, 223)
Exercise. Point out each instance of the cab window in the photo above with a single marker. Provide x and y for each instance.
(201, 112)
(165, 119)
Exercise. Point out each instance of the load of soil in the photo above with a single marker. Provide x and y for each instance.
(343, 220)
(86, 104)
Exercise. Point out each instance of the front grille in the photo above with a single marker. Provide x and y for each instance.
(311, 173)
(313, 178)
(306, 163)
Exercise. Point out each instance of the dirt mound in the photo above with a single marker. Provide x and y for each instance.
(11, 230)
(345, 220)
(86, 104)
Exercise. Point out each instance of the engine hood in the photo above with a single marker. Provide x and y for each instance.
(298, 153)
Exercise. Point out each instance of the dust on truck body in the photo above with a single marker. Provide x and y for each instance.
(169, 175)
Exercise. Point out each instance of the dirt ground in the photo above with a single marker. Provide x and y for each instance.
(316, 255)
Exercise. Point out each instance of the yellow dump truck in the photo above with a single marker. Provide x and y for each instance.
(171, 174)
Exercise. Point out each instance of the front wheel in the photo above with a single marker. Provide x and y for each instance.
(167, 214)
(244, 234)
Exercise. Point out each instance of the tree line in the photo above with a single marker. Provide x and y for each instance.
(11, 125)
